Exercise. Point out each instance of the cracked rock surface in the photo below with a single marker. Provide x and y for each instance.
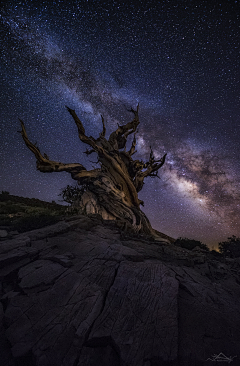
(79, 293)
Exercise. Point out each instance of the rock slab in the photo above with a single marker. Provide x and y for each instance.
(83, 295)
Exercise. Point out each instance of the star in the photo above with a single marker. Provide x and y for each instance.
(180, 63)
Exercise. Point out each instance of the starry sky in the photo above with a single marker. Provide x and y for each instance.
(178, 59)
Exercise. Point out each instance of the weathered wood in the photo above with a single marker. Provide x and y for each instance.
(112, 189)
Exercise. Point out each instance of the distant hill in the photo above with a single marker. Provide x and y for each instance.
(5, 197)
(24, 214)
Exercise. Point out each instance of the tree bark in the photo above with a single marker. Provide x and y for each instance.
(112, 190)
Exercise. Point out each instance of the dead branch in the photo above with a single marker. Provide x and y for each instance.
(103, 133)
(44, 164)
(118, 138)
(115, 185)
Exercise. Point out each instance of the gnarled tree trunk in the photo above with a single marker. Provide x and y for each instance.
(112, 189)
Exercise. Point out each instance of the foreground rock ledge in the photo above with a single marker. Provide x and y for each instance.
(80, 293)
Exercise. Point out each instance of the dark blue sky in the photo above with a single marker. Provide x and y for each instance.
(178, 59)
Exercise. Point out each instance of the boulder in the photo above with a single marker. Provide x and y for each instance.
(3, 233)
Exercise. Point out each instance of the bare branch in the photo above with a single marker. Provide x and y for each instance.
(30, 145)
(88, 152)
(118, 138)
(79, 124)
(132, 150)
(103, 133)
(44, 164)
(152, 167)
(81, 131)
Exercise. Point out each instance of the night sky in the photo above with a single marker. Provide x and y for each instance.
(178, 59)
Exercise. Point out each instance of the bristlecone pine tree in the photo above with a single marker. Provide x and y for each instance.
(112, 189)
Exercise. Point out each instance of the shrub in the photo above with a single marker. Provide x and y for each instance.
(5, 193)
(190, 244)
(231, 247)
(215, 253)
(10, 209)
(4, 196)
(72, 194)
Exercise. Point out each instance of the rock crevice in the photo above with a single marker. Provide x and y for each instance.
(87, 297)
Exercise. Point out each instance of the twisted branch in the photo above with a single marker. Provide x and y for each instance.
(45, 165)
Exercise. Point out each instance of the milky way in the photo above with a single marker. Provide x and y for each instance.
(179, 61)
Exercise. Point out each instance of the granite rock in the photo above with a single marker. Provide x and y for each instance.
(79, 294)
(3, 233)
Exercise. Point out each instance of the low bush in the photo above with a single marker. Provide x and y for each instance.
(4, 196)
(231, 247)
(7, 209)
(190, 244)
(73, 194)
